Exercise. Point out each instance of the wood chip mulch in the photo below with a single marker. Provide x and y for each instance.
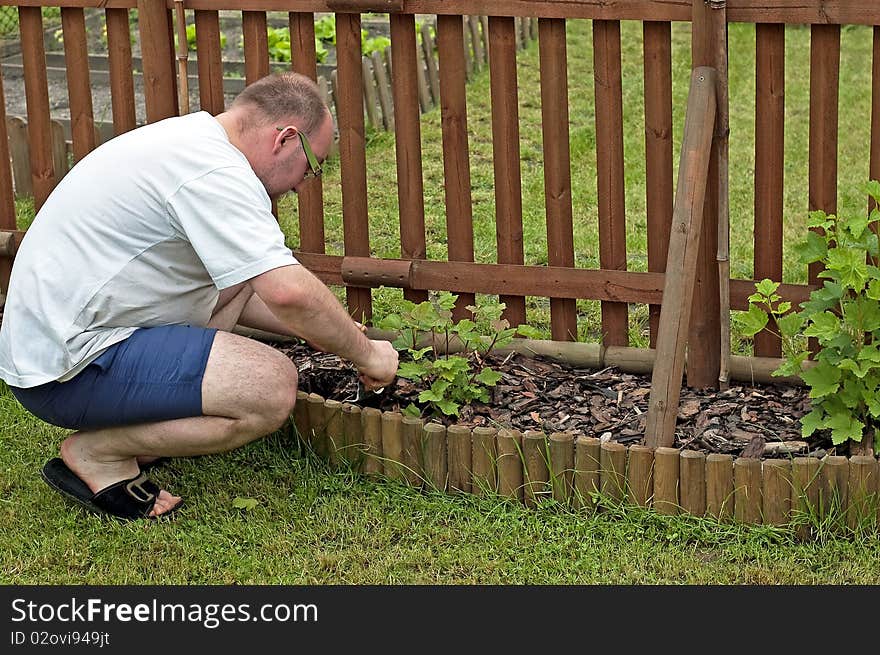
(541, 394)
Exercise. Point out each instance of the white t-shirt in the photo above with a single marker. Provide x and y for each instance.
(144, 231)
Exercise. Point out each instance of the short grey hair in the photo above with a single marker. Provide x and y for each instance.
(280, 96)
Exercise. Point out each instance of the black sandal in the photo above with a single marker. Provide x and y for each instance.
(126, 499)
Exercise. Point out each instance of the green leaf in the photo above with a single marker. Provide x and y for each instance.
(247, 504)
(766, 287)
(850, 265)
(873, 291)
(844, 426)
(530, 332)
(448, 407)
(823, 326)
(488, 377)
(790, 324)
(872, 188)
(820, 219)
(752, 321)
(446, 300)
(812, 249)
(412, 410)
(420, 353)
(390, 322)
(412, 370)
(812, 422)
(822, 379)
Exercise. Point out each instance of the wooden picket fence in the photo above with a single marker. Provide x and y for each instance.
(377, 86)
(532, 466)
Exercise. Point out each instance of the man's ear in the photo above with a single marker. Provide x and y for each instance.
(281, 137)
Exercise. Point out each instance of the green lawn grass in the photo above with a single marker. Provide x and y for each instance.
(311, 525)
(314, 526)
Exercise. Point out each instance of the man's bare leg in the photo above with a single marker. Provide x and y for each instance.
(248, 391)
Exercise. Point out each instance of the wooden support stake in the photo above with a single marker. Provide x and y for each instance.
(777, 491)
(719, 486)
(458, 447)
(317, 426)
(693, 482)
(666, 476)
(510, 463)
(182, 56)
(431, 63)
(484, 454)
(412, 452)
(682, 260)
(371, 99)
(372, 436)
(612, 470)
(383, 86)
(392, 446)
(806, 483)
(333, 418)
(352, 437)
(436, 463)
(536, 470)
(562, 465)
(587, 459)
(301, 418)
(747, 494)
(640, 475)
(473, 26)
(834, 486)
(862, 510)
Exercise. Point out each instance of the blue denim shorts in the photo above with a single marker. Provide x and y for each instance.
(154, 375)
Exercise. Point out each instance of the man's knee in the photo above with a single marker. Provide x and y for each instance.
(281, 398)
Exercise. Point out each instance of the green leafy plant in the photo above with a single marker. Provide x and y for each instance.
(844, 318)
(373, 44)
(449, 380)
(191, 38)
(278, 39)
(325, 29)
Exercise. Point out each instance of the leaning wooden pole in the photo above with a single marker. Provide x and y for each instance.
(182, 57)
(718, 22)
(681, 261)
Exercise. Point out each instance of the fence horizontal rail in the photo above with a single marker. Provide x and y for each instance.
(856, 12)
(559, 282)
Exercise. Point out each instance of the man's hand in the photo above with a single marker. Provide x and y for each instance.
(381, 366)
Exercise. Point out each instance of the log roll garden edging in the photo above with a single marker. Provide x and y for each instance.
(531, 467)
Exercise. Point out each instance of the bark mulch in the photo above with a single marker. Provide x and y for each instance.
(541, 394)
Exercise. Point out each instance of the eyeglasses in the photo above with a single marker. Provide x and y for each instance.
(314, 165)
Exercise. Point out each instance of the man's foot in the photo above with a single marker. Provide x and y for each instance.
(99, 475)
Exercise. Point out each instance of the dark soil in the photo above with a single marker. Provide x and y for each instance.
(541, 394)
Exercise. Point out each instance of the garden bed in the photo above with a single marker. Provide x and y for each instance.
(735, 455)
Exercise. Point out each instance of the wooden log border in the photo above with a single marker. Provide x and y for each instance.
(584, 473)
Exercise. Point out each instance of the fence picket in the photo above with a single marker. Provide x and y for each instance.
(256, 45)
(383, 86)
(371, 99)
(37, 91)
(456, 163)
(658, 151)
(428, 51)
(121, 70)
(76, 57)
(769, 165)
(506, 155)
(557, 168)
(157, 48)
(310, 199)
(352, 152)
(410, 192)
(210, 64)
(609, 152)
